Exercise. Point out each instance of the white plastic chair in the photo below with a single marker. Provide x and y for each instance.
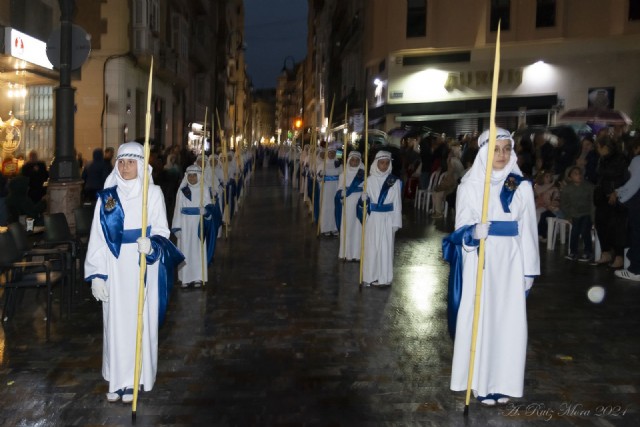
(435, 179)
(420, 198)
(557, 227)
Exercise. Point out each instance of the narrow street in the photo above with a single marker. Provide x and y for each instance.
(282, 335)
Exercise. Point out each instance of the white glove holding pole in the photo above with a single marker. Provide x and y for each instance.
(528, 282)
(481, 231)
(202, 210)
(363, 197)
(144, 245)
(99, 289)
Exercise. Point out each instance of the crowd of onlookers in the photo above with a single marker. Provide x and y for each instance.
(574, 175)
(575, 179)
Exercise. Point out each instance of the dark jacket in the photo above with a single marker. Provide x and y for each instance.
(95, 173)
(19, 203)
(38, 175)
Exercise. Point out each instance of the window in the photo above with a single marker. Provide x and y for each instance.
(545, 13)
(416, 18)
(634, 10)
(500, 12)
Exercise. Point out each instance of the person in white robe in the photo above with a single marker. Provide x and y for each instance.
(384, 218)
(351, 231)
(327, 174)
(510, 265)
(112, 266)
(186, 227)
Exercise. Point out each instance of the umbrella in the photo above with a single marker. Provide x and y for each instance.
(610, 117)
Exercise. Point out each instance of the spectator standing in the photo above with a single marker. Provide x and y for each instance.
(610, 220)
(629, 194)
(576, 204)
(94, 176)
(36, 171)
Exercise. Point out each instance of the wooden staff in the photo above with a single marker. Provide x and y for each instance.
(364, 187)
(143, 257)
(204, 138)
(225, 172)
(324, 167)
(314, 139)
(343, 229)
(485, 211)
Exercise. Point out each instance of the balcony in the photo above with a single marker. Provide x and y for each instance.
(145, 45)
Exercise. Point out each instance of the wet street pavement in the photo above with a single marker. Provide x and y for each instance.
(283, 336)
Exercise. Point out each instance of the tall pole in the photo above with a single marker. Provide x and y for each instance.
(343, 229)
(143, 257)
(65, 166)
(225, 171)
(485, 212)
(202, 156)
(364, 188)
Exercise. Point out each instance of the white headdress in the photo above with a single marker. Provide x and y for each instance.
(129, 188)
(479, 167)
(374, 170)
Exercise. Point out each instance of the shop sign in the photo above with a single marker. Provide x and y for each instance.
(481, 79)
(23, 46)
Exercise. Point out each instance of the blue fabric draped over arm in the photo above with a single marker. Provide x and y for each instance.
(212, 222)
(169, 257)
(452, 253)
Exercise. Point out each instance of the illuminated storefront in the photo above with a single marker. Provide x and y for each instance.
(27, 80)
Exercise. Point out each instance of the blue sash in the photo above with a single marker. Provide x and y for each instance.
(190, 211)
(133, 234)
(377, 207)
(509, 188)
(111, 218)
(354, 187)
(452, 253)
(186, 191)
(328, 178)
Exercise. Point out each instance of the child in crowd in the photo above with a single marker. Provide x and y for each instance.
(576, 202)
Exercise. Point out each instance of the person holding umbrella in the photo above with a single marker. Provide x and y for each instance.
(511, 263)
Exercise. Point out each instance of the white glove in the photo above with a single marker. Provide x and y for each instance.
(99, 289)
(144, 245)
(363, 197)
(481, 231)
(528, 283)
(202, 210)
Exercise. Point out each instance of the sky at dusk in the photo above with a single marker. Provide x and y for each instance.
(274, 30)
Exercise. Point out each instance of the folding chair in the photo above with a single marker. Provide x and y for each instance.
(24, 274)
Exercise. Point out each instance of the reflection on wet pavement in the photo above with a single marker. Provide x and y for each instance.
(283, 335)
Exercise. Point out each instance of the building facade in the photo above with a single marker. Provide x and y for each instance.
(429, 63)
